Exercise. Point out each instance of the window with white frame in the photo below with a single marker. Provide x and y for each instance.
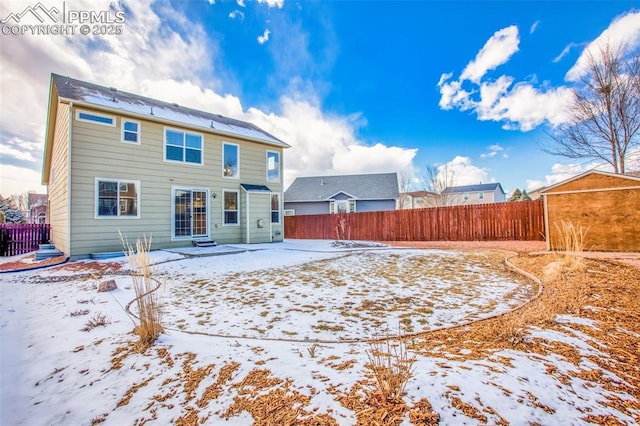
(131, 131)
(230, 160)
(275, 208)
(95, 118)
(231, 207)
(481, 196)
(342, 206)
(273, 166)
(465, 196)
(117, 198)
(182, 146)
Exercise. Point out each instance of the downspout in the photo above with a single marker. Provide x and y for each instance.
(69, 174)
(248, 218)
(545, 213)
(271, 221)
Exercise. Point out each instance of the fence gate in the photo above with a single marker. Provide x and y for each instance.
(20, 238)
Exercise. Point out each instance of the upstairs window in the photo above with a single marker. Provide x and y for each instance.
(131, 131)
(117, 198)
(273, 166)
(182, 146)
(230, 160)
(481, 196)
(465, 196)
(95, 118)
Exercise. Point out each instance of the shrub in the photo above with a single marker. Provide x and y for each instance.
(149, 310)
(392, 367)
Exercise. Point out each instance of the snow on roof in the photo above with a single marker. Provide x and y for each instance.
(114, 99)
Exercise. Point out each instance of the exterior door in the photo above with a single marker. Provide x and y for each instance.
(190, 213)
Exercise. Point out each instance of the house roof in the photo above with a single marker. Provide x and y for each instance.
(382, 186)
(417, 194)
(473, 188)
(113, 99)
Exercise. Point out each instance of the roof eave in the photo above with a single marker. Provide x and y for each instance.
(549, 188)
(279, 144)
(52, 111)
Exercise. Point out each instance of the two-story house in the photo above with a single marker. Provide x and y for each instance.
(473, 194)
(115, 162)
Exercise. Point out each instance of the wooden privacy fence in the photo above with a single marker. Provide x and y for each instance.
(20, 238)
(523, 221)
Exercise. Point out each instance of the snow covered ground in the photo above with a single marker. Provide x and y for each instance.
(293, 314)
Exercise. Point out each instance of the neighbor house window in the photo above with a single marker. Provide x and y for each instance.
(131, 131)
(275, 208)
(230, 160)
(273, 166)
(117, 198)
(465, 196)
(231, 207)
(481, 196)
(92, 117)
(342, 206)
(182, 146)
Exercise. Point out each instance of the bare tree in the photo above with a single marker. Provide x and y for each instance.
(405, 185)
(436, 180)
(605, 111)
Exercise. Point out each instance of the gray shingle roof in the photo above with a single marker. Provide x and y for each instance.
(473, 188)
(382, 186)
(89, 93)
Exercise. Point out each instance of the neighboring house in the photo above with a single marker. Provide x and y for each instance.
(115, 162)
(37, 208)
(534, 194)
(419, 200)
(341, 194)
(605, 205)
(474, 194)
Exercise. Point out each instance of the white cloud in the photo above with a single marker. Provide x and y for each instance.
(236, 14)
(464, 172)
(565, 51)
(273, 3)
(534, 27)
(623, 30)
(493, 150)
(241, 3)
(262, 39)
(495, 52)
(148, 60)
(519, 105)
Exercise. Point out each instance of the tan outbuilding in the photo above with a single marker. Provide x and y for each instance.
(606, 205)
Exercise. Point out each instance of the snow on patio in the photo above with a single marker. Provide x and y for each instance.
(54, 373)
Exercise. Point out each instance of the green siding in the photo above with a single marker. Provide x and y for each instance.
(99, 152)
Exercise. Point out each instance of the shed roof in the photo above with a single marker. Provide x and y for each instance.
(611, 181)
(381, 186)
(111, 98)
(473, 188)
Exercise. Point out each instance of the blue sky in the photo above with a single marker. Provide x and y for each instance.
(353, 86)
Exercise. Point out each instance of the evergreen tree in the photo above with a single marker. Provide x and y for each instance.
(11, 213)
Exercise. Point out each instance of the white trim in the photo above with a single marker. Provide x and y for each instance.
(582, 191)
(289, 212)
(544, 191)
(69, 168)
(119, 181)
(138, 133)
(237, 175)
(237, 207)
(87, 120)
(279, 222)
(278, 164)
(351, 197)
(185, 132)
(191, 189)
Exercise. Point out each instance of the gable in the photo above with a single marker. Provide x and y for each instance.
(592, 181)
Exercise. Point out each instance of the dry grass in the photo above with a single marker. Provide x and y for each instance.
(570, 246)
(392, 367)
(97, 320)
(149, 310)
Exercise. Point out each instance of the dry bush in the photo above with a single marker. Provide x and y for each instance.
(149, 310)
(392, 367)
(570, 246)
(97, 320)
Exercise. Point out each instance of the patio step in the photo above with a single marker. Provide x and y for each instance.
(43, 254)
(204, 243)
